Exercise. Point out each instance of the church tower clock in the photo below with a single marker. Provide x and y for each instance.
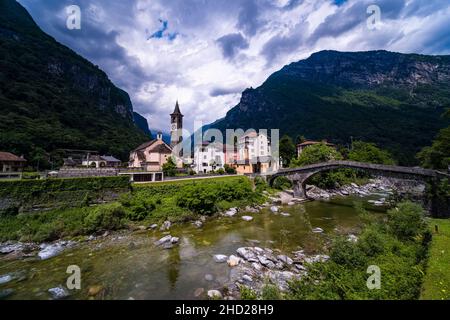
(176, 130)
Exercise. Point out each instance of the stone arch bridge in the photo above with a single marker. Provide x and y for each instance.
(300, 176)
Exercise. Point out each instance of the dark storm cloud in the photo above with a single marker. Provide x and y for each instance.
(223, 91)
(156, 70)
(231, 44)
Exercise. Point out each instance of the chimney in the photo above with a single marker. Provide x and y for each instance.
(159, 136)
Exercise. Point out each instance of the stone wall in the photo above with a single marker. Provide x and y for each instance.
(87, 172)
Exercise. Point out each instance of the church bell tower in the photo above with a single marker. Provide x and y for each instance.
(176, 130)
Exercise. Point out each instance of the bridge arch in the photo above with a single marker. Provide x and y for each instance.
(300, 176)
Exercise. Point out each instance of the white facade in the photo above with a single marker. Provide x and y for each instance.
(208, 157)
(255, 154)
(253, 146)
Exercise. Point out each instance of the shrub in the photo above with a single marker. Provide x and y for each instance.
(407, 220)
(198, 198)
(105, 217)
(247, 293)
(220, 171)
(397, 247)
(282, 183)
(229, 169)
(260, 184)
(170, 168)
(270, 292)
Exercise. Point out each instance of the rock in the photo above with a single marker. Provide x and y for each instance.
(317, 230)
(168, 246)
(59, 293)
(163, 240)
(166, 226)
(142, 228)
(6, 293)
(354, 185)
(285, 214)
(198, 224)
(10, 247)
(174, 240)
(285, 259)
(95, 290)
(274, 209)
(220, 258)
(198, 292)
(50, 251)
(233, 261)
(214, 294)
(300, 267)
(154, 226)
(266, 262)
(230, 213)
(247, 278)
(209, 277)
(247, 254)
(291, 203)
(6, 278)
(247, 218)
(256, 266)
(352, 238)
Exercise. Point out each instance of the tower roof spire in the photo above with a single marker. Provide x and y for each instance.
(177, 109)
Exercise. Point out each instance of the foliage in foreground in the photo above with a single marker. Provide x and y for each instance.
(398, 245)
(146, 204)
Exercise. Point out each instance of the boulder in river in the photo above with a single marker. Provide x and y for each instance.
(214, 294)
(58, 293)
(51, 250)
(233, 261)
(164, 240)
(166, 226)
(317, 230)
(247, 218)
(274, 209)
(6, 293)
(220, 258)
(231, 213)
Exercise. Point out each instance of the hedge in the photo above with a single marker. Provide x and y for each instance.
(24, 188)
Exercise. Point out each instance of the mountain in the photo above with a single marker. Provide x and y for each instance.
(142, 123)
(51, 98)
(394, 100)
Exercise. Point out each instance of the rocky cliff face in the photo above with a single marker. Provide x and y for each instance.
(392, 99)
(52, 98)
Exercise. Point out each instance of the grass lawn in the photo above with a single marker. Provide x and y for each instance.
(436, 285)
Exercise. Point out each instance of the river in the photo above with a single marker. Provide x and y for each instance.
(129, 266)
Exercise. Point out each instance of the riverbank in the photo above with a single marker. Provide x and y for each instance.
(436, 285)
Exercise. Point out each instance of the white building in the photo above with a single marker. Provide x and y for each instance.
(255, 154)
(208, 157)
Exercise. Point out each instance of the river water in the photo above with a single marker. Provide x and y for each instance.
(130, 266)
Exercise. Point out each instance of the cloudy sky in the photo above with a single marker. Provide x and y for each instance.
(206, 52)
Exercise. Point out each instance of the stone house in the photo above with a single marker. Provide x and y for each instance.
(11, 163)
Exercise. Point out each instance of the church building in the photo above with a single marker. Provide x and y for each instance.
(152, 155)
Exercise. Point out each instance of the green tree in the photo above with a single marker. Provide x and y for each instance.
(170, 168)
(369, 152)
(287, 150)
(437, 156)
(316, 154)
